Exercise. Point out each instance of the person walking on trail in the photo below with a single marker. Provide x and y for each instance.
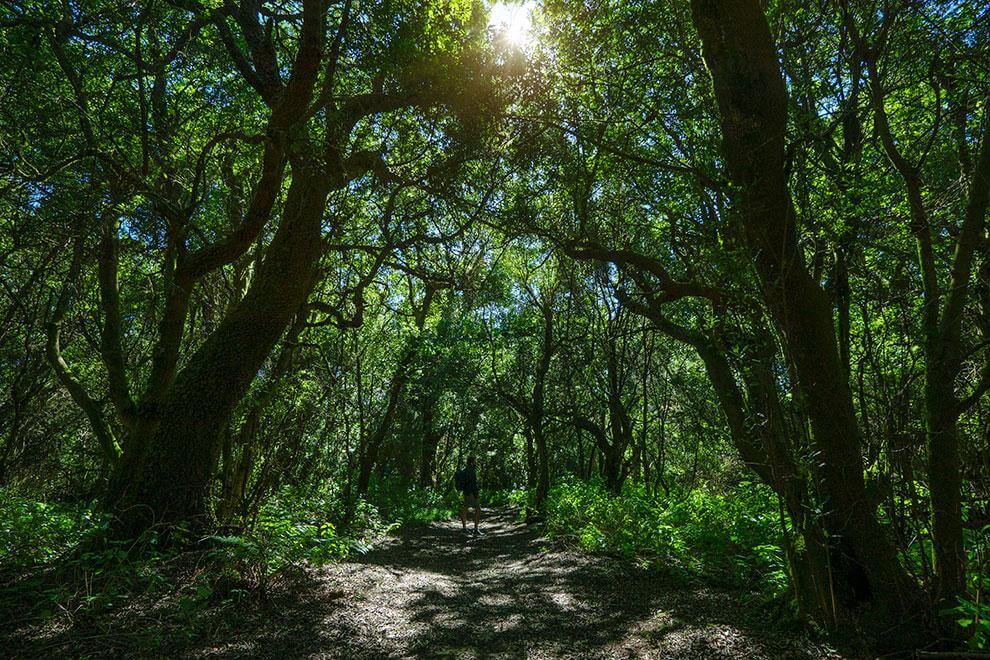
(466, 480)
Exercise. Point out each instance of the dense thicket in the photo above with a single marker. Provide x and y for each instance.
(254, 247)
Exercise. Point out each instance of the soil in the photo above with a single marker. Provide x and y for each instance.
(431, 590)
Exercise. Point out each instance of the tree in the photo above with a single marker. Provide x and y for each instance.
(752, 103)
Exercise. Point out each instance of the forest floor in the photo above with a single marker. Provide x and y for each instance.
(431, 590)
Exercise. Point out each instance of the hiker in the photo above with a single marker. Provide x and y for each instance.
(466, 480)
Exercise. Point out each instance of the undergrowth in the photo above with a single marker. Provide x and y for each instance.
(62, 577)
(972, 612)
(733, 539)
(61, 574)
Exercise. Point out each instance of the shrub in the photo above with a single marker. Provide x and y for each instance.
(37, 532)
(734, 538)
(972, 613)
(397, 501)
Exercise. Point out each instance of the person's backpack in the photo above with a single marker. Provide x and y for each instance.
(459, 480)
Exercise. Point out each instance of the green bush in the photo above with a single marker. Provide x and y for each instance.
(972, 613)
(514, 497)
(58, 557)
(33, 532)
(974, 617)
(398, 502)
(290, 528)
(735, 538)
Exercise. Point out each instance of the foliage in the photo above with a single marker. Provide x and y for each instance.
(34, 533)
(59, 559)
(397, 503)
(517, 498)
(972, 613)
(733, 537)
(286, 532)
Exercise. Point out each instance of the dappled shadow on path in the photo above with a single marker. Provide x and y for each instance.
(433, 591)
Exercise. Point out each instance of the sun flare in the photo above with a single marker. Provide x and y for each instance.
(512, 24)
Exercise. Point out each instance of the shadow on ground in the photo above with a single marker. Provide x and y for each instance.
(434, 591)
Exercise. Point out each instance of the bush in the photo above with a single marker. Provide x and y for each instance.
(734, 538)
(397, 502)
(33, 532)
(972, 613)
(290, 528)
(58, 558)
(514, 497)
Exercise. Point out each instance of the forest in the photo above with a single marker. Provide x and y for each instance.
(703, 286)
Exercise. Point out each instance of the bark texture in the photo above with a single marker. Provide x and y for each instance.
(168, 481)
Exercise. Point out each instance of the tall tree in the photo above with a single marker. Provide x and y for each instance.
(752, 103)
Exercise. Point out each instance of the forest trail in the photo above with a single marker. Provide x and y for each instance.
(430, 590)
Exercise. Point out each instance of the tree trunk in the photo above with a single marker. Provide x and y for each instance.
(542, 464)
(170, 479)
(428, 453)
(945, 481)
(530, 456)
(538, 421)
(941, 324)
(400, 378)
(372, 447)
(751, 96)
(612, 468)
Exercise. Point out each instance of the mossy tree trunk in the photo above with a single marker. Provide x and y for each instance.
(169, 479)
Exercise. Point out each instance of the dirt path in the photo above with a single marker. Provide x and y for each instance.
(432, 591)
